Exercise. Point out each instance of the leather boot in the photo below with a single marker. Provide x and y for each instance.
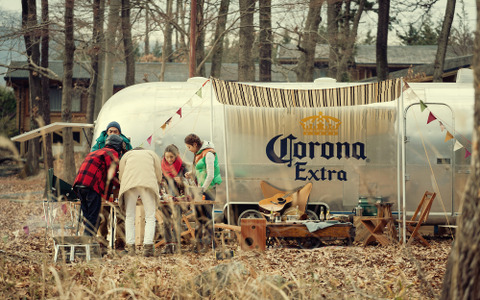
(148, 250)
(130, 249)
(168, 249)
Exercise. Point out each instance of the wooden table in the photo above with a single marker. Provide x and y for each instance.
(344, 231)
(376, 225)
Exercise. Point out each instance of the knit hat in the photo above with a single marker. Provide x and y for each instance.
(114, 124)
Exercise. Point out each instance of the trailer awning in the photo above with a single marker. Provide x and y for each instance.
(240, 94)
(47, 129)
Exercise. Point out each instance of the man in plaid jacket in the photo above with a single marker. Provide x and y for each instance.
(95, 178)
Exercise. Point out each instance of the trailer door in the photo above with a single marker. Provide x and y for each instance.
(429, 158)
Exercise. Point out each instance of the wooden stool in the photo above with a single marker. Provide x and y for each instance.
(72, 243)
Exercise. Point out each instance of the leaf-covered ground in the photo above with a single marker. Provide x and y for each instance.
(329, 272)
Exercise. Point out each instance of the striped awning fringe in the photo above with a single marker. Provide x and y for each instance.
(233, 93)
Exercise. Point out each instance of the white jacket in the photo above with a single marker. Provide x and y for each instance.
(139, 168)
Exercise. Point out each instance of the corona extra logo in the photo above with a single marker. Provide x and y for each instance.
(320, 125)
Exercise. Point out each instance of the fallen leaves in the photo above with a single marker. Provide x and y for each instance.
(330, 272)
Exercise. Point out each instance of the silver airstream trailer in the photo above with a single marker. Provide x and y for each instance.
(391, 150)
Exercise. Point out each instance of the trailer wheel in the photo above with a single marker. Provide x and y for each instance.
(311, 215)
(249, 214)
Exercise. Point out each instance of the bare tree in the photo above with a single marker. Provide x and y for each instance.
(31, 37)
(333, 11)
(45, 107)
(200, 39)
(168, 33)
(128, 44)
(382, 39)
(462, 276)
(246, 67)
(265, 40)
(96, 54)
(68, 151)
(443, 41)
(147, 32)
(343, 23)
(110, 36)
(308, 42)
(219, 36)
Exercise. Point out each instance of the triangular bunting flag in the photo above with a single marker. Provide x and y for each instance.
(457, 146)
(164, 126)
(179, 112)
(405, 87)
(467, 153)
(431, 118)
(199, 93)
(448, 137)
(442, 127)
(168, 121)
(149, 140)
(190, 103)
(422, 105)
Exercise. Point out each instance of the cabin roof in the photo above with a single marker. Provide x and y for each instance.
(425, 71)
(146, 72)
(366, 54)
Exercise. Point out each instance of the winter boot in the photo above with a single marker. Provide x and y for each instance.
(148, 250)
(169, 249)
(129, 250)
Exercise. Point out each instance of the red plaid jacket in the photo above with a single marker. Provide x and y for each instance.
(94, 169)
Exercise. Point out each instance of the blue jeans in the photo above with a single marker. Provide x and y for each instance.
(91, 205)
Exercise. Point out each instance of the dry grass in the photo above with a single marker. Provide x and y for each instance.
(330, 272)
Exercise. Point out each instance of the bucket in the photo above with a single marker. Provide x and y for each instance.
(369, 208)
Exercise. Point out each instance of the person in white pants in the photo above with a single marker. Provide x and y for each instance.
(140, 175)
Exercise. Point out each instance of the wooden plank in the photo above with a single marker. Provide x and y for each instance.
(340, 231)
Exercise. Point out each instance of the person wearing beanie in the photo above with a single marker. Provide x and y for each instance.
(92, 181)
(112, 128)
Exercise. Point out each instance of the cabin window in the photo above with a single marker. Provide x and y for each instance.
(56, 101)
(58, 137)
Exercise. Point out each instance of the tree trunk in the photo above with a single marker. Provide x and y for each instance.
(308, 43)
(443, 41)
(97, 37)
(45, 110)
(333, 11)
(110, 35)
(462, 276)
(101, 61)
(246, 67)
(146, 49)
(168, 47)
(128, 44)
(265, 41)
(200, 40)
(382, 39)
(29, 23)
(68, 152)
(219, 36)
(347, 38)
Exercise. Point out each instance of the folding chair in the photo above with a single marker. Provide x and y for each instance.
(419, 217)
(60, 196)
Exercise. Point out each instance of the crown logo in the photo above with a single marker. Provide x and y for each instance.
(320, 125)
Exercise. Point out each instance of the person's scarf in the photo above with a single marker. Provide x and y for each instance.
(171, 170)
